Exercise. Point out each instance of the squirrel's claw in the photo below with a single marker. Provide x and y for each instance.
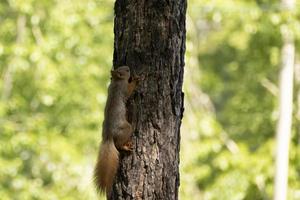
(128, 146)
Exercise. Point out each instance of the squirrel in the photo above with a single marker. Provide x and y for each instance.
(116, 130)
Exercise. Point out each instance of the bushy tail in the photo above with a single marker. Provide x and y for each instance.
(106, 167)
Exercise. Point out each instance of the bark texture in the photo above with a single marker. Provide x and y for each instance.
(150, 39)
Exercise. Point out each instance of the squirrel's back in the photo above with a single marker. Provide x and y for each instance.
(115, 108)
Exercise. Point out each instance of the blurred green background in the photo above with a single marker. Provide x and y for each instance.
(55, 58)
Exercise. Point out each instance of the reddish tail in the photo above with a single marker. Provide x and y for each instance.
(106, 167)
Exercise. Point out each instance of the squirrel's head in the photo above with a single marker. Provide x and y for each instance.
(122, 73)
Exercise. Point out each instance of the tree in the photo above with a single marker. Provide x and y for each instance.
(150, 38)
(285, 111)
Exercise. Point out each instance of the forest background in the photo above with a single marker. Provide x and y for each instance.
(55, 61)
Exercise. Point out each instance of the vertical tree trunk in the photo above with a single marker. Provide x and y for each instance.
(285, 111)
(150, 39)
(297, 90)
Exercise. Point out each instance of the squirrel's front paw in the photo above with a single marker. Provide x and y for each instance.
(128, 146)
(138, 78)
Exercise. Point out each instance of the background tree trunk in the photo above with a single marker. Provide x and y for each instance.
(285, 110)
(150, 39)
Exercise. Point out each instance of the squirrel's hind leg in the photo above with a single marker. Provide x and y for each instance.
(122, 139)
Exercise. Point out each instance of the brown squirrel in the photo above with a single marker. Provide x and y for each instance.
(116, 130)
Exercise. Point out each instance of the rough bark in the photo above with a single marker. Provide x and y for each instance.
(150, 39)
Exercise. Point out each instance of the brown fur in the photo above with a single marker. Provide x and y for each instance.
(116, 131)
(106, 167)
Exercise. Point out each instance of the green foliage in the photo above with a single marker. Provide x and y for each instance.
(55, 57)
(238, 45)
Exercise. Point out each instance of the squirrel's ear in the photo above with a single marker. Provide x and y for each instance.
(115, 74)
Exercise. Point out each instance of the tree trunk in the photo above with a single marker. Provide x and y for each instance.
(297, 90)
(285, 111)
(150, 39)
